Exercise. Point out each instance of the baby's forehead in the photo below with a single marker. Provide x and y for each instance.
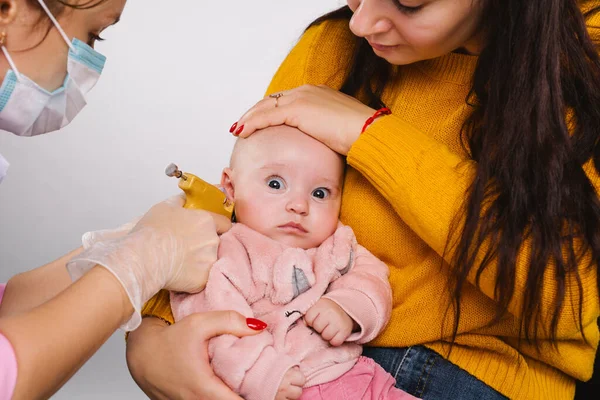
(283, 145)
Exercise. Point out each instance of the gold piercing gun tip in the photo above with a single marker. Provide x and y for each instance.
(173, 170)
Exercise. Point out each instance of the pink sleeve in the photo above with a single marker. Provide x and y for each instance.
(2, 287)
(8, 368)
(365, 295)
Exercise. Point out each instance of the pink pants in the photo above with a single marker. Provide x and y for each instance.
(365, 381)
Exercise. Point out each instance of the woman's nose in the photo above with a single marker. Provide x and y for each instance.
(370, 18)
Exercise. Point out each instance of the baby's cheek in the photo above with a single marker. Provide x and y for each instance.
(329, 222)
(251, 215)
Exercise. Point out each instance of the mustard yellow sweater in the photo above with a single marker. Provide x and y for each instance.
(406, 178)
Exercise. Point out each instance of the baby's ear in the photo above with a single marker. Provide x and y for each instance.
(227, 184)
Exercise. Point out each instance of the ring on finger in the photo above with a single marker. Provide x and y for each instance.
(276, 96)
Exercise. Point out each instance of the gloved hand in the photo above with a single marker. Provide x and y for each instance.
(89, 238)
(170, 247)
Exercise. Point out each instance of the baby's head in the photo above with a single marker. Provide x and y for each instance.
(285, 185)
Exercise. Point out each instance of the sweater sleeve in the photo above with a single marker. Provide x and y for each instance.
(426, 183)
(159, 307)
(365, 294)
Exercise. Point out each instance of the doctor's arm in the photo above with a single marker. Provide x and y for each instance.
(64, 332)
(29, 289)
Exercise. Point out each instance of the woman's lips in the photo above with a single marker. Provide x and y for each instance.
(382, 47)
(293, 227)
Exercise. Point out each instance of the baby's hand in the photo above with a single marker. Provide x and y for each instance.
(291, 385)
(331, 321)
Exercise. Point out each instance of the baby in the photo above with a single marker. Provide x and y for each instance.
(291, 263)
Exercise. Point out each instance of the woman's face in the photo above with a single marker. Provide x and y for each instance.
(46, 47)
(406, 31)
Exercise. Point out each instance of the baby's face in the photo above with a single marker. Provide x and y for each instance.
(286, 185)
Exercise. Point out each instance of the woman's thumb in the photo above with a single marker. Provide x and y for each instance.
(215, 323)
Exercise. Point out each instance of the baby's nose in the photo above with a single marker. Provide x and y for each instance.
(298, 205)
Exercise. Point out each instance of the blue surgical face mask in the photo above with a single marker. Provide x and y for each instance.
(26, 109)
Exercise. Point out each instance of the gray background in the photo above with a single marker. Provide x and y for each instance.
(178, 74)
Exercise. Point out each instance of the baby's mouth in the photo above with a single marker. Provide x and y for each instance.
(293, 227)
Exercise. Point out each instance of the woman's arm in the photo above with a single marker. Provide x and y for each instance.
(160, 361)
(29, 289)
(64, 332)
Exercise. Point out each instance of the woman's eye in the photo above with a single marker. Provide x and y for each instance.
(320, 193)
(408, 9)
(275, 183)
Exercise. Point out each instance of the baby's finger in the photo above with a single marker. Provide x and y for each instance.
(310, 316)
(329, 332)
(320, 323)
(294, 392)
(338, 339)
(296, 377)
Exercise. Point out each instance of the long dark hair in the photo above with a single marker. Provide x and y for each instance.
(535, 97)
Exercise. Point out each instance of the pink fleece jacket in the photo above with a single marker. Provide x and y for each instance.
(265, 279)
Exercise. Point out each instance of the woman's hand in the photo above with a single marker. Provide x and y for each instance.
(171, 362)
(325, 114)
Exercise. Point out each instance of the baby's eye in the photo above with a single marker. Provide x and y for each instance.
(320, 193)
(275, 183)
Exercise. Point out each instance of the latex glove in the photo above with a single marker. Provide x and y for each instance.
(170, 247)
(89, 238)
(291, 385)
(171, 362)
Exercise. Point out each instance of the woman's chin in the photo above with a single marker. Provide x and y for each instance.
(398, 57)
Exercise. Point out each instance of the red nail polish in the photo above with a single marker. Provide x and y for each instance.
(239, 130)
(255, 324)
(232, 127)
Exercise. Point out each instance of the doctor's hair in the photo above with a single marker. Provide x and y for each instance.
(57, 7)
(531, 209)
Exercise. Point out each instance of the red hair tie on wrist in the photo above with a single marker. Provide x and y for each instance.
(378, 113)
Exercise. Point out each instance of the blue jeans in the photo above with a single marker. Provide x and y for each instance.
(426, 374)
